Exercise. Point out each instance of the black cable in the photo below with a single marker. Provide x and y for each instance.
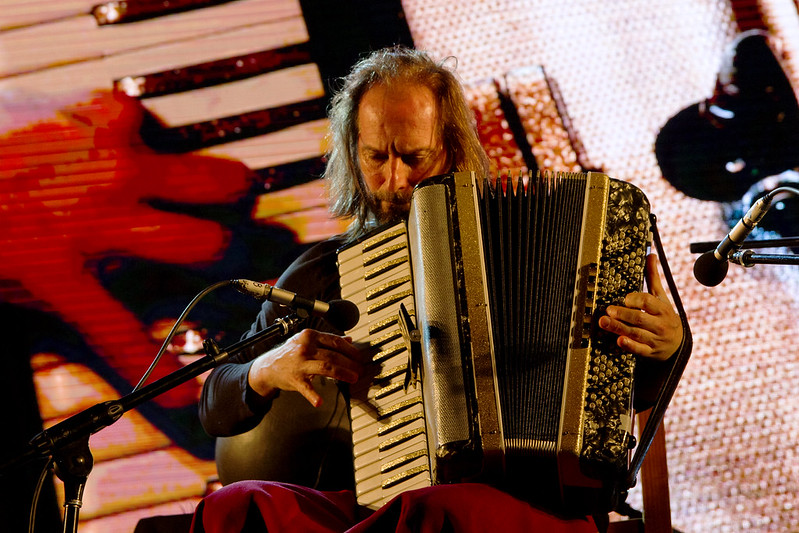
(174, 329)
(37, 493)
(322, 460)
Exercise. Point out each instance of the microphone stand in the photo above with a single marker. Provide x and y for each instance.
(68, 441)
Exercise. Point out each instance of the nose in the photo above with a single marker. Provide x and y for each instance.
(400, 174)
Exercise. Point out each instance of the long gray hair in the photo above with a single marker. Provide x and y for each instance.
(347, 192)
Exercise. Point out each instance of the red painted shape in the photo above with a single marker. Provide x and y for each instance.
(73, 189)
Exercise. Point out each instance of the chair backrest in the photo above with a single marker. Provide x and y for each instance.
(294, 443)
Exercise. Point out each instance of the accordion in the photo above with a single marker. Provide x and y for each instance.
(488, 365)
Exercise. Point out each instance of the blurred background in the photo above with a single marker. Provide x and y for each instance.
(149, 149)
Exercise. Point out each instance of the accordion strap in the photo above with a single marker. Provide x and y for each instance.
(678, 363)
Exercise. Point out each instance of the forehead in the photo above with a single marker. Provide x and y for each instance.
(396, 110)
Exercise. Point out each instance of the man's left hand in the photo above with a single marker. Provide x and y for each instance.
(646, 324)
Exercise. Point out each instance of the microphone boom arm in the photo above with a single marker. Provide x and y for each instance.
(748, 258)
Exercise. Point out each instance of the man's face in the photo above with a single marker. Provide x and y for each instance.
(398, 145)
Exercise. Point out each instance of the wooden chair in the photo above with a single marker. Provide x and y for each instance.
(654, 479)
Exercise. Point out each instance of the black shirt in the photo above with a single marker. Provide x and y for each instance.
(296, 443)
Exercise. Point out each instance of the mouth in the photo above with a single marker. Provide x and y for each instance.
(389, 207)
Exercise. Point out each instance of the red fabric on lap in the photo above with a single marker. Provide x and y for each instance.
(260, 506)
(467, 508)
(282, 507)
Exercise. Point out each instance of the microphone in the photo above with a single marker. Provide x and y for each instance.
(341, 314)
(710, 268)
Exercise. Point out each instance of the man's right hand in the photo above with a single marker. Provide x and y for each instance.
(309, 353)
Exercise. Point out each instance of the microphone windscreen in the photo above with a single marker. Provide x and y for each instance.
(342, 314)
(709, 271)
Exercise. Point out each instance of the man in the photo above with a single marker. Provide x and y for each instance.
(399, 118)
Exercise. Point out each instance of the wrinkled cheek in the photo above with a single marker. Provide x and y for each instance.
(373, 180)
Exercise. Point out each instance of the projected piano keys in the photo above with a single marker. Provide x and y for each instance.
(233, 127)
(492, 127)
(301, 208)
(215, 71)
(388, 426)
(249, 80)
(247, 95)
(99, 70)
(523, 124)
(554, 143)
(84, 38)
(18, 15)
(247, 90)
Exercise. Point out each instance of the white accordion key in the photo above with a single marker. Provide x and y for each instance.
(387, 415)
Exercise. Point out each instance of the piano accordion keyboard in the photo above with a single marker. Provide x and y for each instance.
(388, 427)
